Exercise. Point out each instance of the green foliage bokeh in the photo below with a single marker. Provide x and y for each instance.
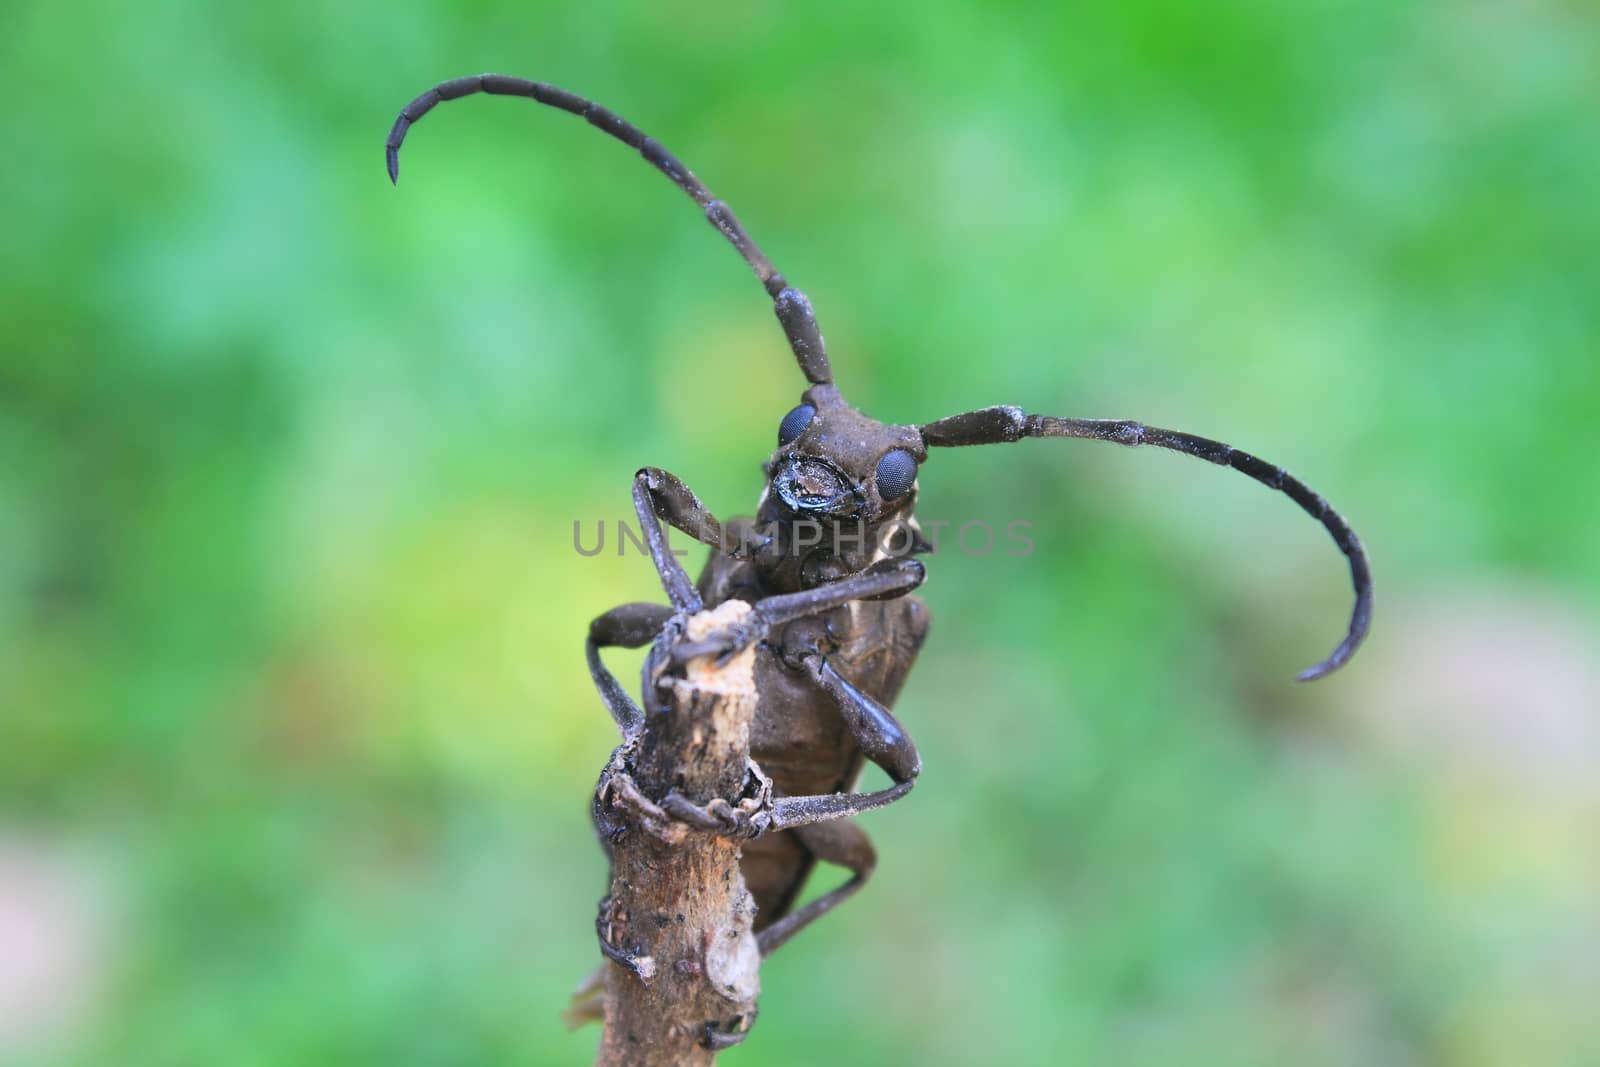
(290, 619)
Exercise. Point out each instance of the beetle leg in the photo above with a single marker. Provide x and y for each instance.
(718, 816)
(718, 1035)
(628, 626)
(881, 737)
(789, 813)
(885, 579)
(882, 740)
(659, 494)
(753, 816)
(841, 843)
(779, 813)
(643, 967)
(656, 494)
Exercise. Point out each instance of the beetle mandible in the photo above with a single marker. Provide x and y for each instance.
(828, 565)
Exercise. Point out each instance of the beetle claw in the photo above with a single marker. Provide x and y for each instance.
(718, 1036)
(724, 644)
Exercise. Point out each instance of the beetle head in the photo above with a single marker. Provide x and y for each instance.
(834, 463)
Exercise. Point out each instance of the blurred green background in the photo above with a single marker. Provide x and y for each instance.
(295, 735)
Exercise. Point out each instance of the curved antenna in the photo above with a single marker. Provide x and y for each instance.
(790, 304)
(1002, 425)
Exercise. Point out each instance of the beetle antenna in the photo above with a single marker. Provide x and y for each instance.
(1002, 425)
(790, 304)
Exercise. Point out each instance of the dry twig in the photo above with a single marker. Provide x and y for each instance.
(677, 923)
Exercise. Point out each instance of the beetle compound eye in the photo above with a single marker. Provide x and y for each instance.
(795, 423)
(896, 471)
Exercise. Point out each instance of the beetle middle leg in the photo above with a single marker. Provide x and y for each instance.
(882, 740)
(805, 645)
(628, 626)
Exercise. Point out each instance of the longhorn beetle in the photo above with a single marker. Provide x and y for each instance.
(838, 630)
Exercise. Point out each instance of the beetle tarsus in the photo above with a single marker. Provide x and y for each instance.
(719, 1036)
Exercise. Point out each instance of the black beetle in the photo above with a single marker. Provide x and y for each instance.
(828, 564)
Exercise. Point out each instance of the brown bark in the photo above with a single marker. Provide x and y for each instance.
(678, 904)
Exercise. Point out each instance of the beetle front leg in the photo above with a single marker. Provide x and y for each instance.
(883, 580)
(659, 494)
